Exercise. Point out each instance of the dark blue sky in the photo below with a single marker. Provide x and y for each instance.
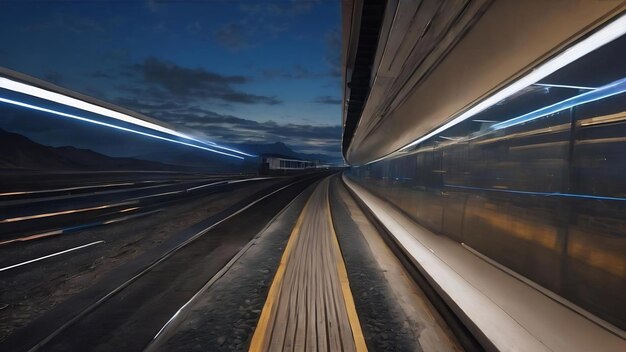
(234, 71)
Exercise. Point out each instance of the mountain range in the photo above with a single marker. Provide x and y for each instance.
(283, 149)
(19, 152)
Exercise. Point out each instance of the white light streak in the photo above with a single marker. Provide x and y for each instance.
(206, 185)
(65, 189)
(451, 138)
(563, 86)
(601, 37)
(50, 255)
(33, 237)
(85, 106)
(39, 108)
(63, 212)
(249, 179)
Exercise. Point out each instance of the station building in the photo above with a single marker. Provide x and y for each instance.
(276, 164)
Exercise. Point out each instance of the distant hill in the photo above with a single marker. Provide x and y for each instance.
(198, 159)
(283, 149)
(178, 155)
(19, 152)
(266, 148)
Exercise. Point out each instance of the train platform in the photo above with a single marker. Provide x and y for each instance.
(339, 269)
(310, 305)
(317, 278)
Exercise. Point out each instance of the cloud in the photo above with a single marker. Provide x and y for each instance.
(143, 105)
(182, 80)
(168, 79)
(53, 77)
(81, 24)
(245, 98)
(327, 99)
(275, 28)
(287, 9)
(296, 72)
(194, 28)
(152, 5)
(268, 19)
(333, 52)
(117, 55)
(101, 74)
(232, 129)
(177, 95)
(199, 121)
(69, 23)
(232, 36)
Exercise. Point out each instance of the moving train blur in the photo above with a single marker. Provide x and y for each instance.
(533, 182)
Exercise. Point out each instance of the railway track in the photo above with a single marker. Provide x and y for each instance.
(127, 308)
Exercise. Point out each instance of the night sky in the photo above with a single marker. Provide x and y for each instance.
(233, 71)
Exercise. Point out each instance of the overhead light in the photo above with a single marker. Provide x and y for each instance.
(41, 93)
(485, 121)
(563, 86)
(605, 35)
(451, 138)
(80, 118)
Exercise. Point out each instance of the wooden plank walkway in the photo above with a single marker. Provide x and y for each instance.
(309, 306)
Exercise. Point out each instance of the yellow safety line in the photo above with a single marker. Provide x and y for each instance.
(353, 317)
(260, 333)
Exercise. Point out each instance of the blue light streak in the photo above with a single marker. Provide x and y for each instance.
(543, 194)
(68, 101)
(229, 149)
(215, 145)
(55, 112)
(606, 91)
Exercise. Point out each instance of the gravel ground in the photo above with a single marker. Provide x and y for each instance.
(395, 313)
(31, 290)
(224, 317)
(383, 322)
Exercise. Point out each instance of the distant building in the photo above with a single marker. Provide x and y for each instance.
(276, 164)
